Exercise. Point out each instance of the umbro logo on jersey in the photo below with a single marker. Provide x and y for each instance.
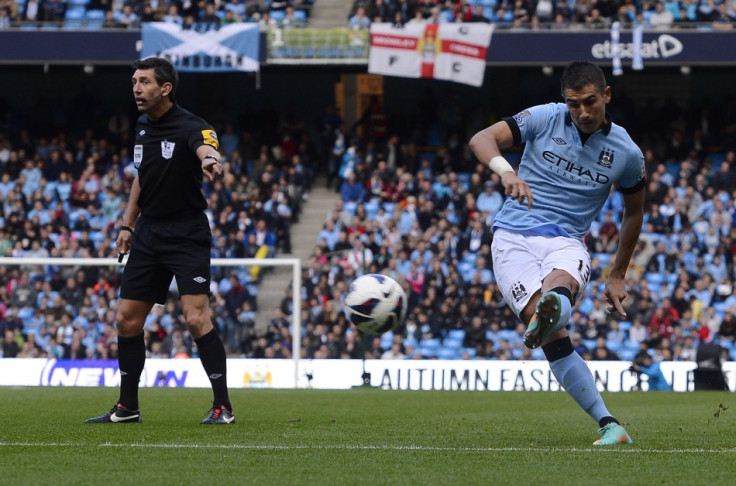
(142, 132)
(559, 141)
(199, 279)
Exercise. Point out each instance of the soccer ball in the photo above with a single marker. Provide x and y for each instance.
(375, 303)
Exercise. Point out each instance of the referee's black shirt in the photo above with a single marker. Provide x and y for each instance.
(169, 171)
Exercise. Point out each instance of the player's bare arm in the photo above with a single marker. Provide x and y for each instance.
(630, 228)
(125, 237)
(210, 159)
(487, 145)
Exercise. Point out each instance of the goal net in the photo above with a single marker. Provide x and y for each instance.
(248, 295)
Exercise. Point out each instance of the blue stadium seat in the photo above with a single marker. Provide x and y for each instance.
(625, 325)
(371, 209)
(471, 352)
(451, 343)
(604, 258)
(74, 13)
(349, 207)
(277, 15)
(654, 278)
(447, 353)
(614, 346)
(720, 309)
(457, 334)
(95, 14)
(430, 342)
(387, 339)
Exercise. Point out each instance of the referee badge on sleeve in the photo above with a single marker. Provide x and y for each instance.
(137, 156)
(209, 137)
(167, 149)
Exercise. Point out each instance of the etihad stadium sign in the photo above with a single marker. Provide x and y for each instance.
(662, 47)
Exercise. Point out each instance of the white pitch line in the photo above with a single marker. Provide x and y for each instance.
(623, 449)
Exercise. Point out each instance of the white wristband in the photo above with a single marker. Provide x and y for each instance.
(499, 165)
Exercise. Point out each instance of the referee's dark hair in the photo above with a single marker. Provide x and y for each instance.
(162, 70)
(580, 74)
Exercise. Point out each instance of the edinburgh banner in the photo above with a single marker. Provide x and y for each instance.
(454, 52)
(232, 47)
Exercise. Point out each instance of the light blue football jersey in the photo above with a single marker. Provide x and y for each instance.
(569, 180)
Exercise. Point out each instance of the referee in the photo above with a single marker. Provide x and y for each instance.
(167, 234)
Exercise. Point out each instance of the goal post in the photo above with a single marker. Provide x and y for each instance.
(38, 265)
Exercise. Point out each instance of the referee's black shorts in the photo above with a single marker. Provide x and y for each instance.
(162, 249)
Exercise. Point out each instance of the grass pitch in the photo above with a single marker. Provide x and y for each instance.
(364, 436)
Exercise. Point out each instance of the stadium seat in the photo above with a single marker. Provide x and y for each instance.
(447, 353)
(625, 325)
(720, 309)
(452, 343)
(604, 258)
(349, 207)
(427, 352)
(654, 278)
(371, 209)
(74, 13)
(457, 334)
(387, 339)
(92, 15)
(614, 346)
(471, 352)
(277, 15)
(626, 354)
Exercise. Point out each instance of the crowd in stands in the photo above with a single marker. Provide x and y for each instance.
(527, 14)
(548, 14)
(63, 195)
(131, 13)
(424, 219)
(411, 203)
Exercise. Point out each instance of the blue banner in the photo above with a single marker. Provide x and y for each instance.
(232, 47)
(655, 47)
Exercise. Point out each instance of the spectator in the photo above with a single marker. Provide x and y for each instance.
(644, 365)
(128, 18)
(290, 20)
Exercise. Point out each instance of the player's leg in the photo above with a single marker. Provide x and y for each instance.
(131, 317)
(191, 266)
(573, 374)
(211, 353)
(144, 282)
(566, 270)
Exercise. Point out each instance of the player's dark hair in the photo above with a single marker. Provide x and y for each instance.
(579, 74)
(163, 71)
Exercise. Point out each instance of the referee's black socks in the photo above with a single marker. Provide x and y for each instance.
(213, 357)
(131, 359)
